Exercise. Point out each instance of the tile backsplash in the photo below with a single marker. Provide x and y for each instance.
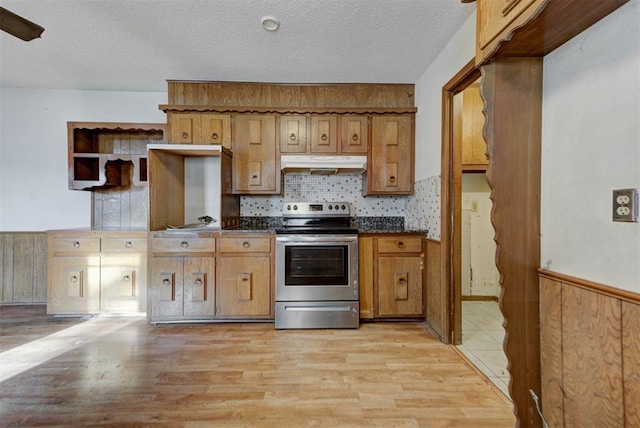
(421, 210)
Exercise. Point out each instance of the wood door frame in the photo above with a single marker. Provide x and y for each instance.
(451, 201)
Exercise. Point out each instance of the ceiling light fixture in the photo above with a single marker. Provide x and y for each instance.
(270, 23)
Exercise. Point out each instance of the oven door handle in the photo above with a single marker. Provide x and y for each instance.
(327, 308)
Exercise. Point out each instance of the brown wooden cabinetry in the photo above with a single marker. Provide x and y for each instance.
(245, 285)
(391, 276)
(496, 20)
(324, 134)
(293, 134)
(354, 134)
(390, 167)
(199, 128)
(474, 147)
(96, 272)
(182, 276)
(103, 154)
(255, 166)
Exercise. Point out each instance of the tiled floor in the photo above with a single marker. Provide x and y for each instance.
(482, 336)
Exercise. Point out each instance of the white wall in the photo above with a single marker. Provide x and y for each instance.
(591, 145)
(459, 51)
(34, 191)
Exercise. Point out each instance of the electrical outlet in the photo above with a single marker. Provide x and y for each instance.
(625, 205)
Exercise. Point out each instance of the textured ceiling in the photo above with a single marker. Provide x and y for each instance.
(137, 45)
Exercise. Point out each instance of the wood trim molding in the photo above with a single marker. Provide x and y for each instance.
(606, 290)
(285, 110)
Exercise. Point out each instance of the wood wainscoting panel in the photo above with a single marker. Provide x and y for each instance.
(631, 362)
(550, 342)
(436, 303)
(23, 268)
(591, 359)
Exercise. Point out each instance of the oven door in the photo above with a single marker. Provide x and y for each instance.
(316, 268)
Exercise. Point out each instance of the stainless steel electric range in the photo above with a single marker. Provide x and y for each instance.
(316, 267)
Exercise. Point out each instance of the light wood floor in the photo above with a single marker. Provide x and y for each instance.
(117, 371)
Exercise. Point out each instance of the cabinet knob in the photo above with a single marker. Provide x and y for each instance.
(324, 137)
(184, 244)
(166, 282)
(185, 135)
(254, 176)
(400, 244)
(355, 137)
(402, 280)
(292, 137)
(246, 244)
(214, 136)
(74, 278)
(128, 244)
(198, 282)
(76, 244)
(126, 278)
(392, 179)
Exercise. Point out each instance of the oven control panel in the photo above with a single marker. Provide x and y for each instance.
(316, 209)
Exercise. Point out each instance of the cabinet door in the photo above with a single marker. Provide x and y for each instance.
(355, 134)
(74, 285)
(244, 288)
(497, 19)
(399, 286)
(166, 287)
(123, 283)
(391, 161)
(185, 128)
(199, 281)
(474, 147)
(216, 129)
(293, 134)
(254, 155)
(324, 134)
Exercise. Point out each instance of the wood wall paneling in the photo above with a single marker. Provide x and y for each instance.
(512, 91)
(435, 291)
(552, 396)
(631, 362)
(590, 348)
(592, 363)
(23, 267)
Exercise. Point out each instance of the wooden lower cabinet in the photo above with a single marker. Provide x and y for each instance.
(74, 285)
(93, 271)
(245, 276)
(182, 288)
(391, 276)
(182, 276)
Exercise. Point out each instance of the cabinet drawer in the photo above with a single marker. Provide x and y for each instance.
(131, 245)
(182, 245)
(76, 245)
(245, 245)
(400, 244)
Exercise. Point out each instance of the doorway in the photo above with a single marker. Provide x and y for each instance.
(475, 323)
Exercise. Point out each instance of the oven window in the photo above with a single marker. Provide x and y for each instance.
(317, 265)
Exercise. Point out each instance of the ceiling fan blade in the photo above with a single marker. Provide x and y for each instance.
(18, 26)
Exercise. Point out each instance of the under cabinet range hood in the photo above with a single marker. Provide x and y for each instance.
(326, 165)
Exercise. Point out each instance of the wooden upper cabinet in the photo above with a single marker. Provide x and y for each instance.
(324, 134)
(390, 168)
(355, 134)
(255, 167)
(474, 147)
(200, 128)
(293, 134)
(497, 19)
